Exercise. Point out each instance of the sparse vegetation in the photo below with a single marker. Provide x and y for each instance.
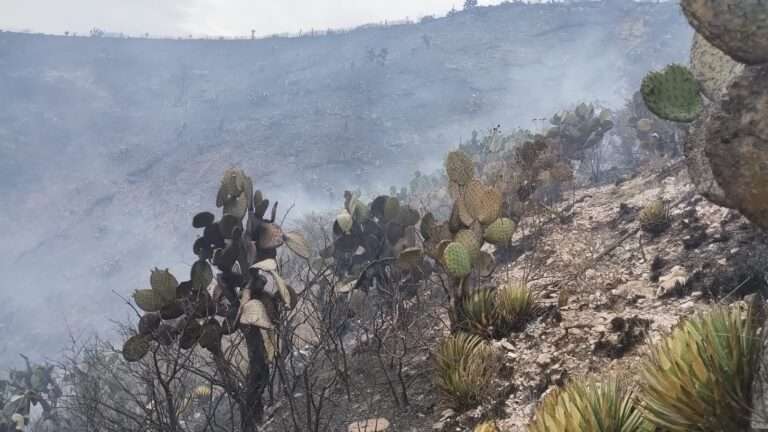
(445, 271)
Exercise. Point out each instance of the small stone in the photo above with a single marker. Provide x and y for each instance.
(544, 360)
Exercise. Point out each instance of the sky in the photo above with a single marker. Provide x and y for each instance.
(210, 17)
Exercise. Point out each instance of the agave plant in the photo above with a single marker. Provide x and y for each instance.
(654, 217)
(478, 312)
(590, 405)
(515, 305)
(699, 377)
(464, 368)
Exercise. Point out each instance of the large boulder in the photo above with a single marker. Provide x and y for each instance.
(736, 137)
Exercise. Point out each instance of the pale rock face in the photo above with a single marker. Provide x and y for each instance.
(698, 165)
(737, 145)
(738, 27)
(712, 68)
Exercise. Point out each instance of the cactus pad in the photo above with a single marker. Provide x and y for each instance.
(672, 94)
(171, 311)
(164, 284)
(135, 348)
(148, 323)
(483, 202)
(459, 167)
(210, 336)
(270, 236)
(471, 242)
(411, 257)
(344, 221)
(360, 211)
(457, 260)
(500, 231)
(203, 219)
(391, 209)
(148, 300)
(255, 313)
(297, 244)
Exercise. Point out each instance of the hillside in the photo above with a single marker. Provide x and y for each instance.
(108, 145)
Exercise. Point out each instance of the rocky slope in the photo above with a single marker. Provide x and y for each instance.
(107, 146)
(607, 289)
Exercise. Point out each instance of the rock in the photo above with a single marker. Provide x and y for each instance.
(633, 289)
(699, 169)
(672, 283)
(371, 425)
(737, 145)
(623, 334)
(695, 239)
(544, 360)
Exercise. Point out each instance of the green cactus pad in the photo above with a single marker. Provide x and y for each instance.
(190, 334)
(202, 219)
(457, 260)
(471, 242)
(148, 300)
(201, 275)
(500, 231)
(360, 211)
(164, 284)
(148, 323)
(344, 221)
(210, 336)
(459, 167)
(135, 348)
(672, 94)
(171, 311)
(391, 209)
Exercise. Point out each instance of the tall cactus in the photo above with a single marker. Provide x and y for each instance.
(225, 292)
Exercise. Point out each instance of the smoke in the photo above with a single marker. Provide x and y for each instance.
(108, 147)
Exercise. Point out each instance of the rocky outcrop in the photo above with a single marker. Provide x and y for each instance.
(737, 144)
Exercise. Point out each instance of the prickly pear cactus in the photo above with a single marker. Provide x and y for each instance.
(457, 260)
(672, 94)
(500, 231)
(236, 254)
(459, 167)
